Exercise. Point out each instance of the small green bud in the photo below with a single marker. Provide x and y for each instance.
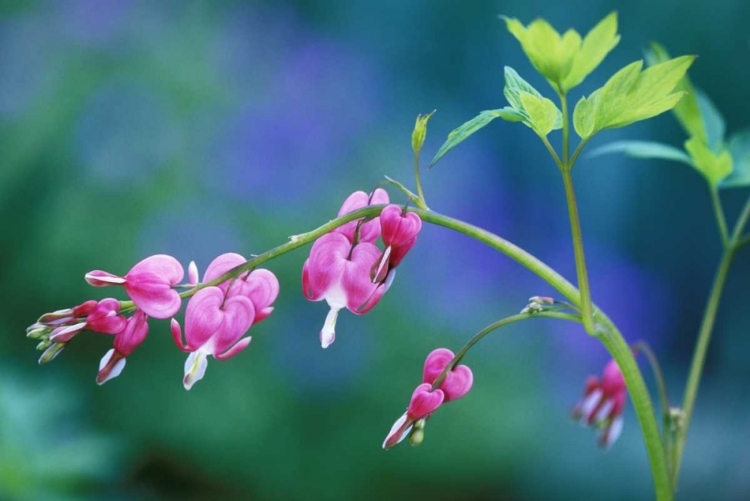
(420, 132)
(38, 331)
(44, 344)
(416, 437)
(51, 352)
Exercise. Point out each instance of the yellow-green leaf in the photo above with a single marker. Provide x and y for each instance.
(687, 111)
(596, 45)
(713, 166)
(564, 60)
(631, 95)
(458, 135)
(542, 113)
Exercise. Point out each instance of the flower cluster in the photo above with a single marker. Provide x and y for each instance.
(347, 269)
(427, 398)
(603, 403)
(216, 317)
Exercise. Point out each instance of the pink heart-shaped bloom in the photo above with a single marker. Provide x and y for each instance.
(149, 284)
(424, 401)
(399, 228)
(457, 382)
(369, 231)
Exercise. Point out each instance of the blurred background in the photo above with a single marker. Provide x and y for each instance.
(131, 127)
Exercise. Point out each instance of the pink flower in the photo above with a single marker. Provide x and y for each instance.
(340, 273)
(126, 341)
(218, 316)
(458, 381)
(399, 232)
(425, 400)
(149, 284)
(369, 231)
(603, 404)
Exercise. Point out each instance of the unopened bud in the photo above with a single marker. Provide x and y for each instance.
(420, 132)
(43, 345)
(38, 331)
(51, 352)
(676, 419)
(416, 437)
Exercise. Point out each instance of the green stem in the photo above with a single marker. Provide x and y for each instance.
(565, 127)
(721, 220)
(661, 387)
(741, 222)
(699, 356)
(494, 326)
(611, 337)
(743, 242)
(580, 257)
(552, 151)
(420, 193)
(578, 151)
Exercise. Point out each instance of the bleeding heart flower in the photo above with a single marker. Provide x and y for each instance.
(399, 232)
(458, 380)
(149, 284)
(340, 273)
(603, 404)
(425, 400)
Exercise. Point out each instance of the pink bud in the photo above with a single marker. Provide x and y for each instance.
(424, 401)
(126, 341)
(603, 404)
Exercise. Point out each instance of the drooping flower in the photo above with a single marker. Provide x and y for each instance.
(603, 404)
(126, 341)
(149, 284)
(399, 231)
(218, 316)
(424, 401)
(368, 231)
(340, 273)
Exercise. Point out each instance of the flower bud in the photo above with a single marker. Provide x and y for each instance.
(416, 437)
(51, 352)
(420, 132)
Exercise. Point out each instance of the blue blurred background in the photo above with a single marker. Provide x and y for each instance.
(132, 127)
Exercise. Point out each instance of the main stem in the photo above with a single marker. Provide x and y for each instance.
(610, 337)
(580, 256)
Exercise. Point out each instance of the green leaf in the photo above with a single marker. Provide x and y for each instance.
(543, 114)
(643, 149)
(564, 60)
(687, 110)
(631, 95)
(713, 166)
(536, 111)
(739, 149)
(713, 122)
(596, 45)
(458, 135)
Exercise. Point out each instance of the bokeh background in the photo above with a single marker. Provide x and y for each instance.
(132, 127)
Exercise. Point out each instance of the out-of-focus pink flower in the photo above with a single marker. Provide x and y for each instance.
(149, 284)
(399, 232)
(340, 273)
(218, 316)
(458, 380)
(425, 400)
(369, 231)
(603, 404)
(126, 341)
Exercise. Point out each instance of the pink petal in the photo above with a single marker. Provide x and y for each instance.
(261, 287)
(192, 273)
(424, 401)
(355, 280)
(435, 363)
(238, 347)
(99, 278)
(324, 267)
(149, 284)
(238, 313)
(369, 231)
(221, 265)
(66, 333)
(104, 317)
(457, 383)
(134, 334)
(203, 316)
(611, 433)
(399, 228)
(174, 327)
